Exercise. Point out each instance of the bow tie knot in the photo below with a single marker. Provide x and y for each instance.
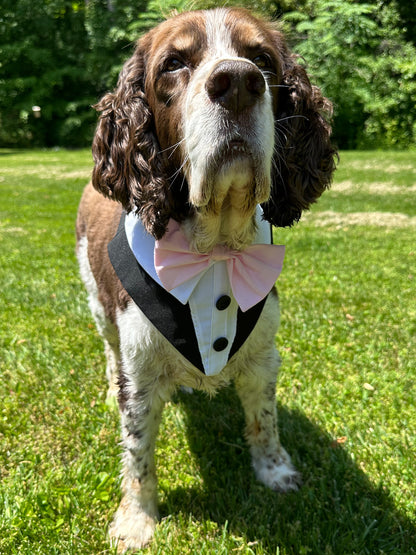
(252, 272)
(220, 253)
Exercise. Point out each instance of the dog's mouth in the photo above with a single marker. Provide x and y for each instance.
(233, 163)
(238, 146)
(230, 152)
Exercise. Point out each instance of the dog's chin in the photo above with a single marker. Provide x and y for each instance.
(236, 173)
(233, 171)
(245, 177)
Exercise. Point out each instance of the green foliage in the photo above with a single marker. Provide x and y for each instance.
(391, 96)
(62, 55)
(346, 389)
(358, 55)
(156, 11)
(407, 13)
(37, 68)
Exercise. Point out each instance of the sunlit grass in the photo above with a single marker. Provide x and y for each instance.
(345, 395)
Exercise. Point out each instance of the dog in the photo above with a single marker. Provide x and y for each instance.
(213, 134)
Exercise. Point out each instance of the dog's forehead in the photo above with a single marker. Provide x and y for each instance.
(182, 32)
(220, 31)
(231, 29)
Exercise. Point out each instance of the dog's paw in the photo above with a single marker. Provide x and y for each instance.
(132, 527)
(278, 473)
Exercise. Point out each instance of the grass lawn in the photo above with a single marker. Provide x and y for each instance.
(346, 391)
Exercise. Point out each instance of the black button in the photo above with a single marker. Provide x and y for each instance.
(220, 344)
(223, 302)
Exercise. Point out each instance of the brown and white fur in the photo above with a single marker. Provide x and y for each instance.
(211, 116)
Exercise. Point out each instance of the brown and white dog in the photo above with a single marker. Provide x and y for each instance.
(212, 116)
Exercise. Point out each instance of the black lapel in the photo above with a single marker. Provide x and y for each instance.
(245, 325)
(167, 314)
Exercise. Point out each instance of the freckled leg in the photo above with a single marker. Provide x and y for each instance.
(141, 410)
(257, 391)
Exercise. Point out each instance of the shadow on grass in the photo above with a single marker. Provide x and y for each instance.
(337, 511)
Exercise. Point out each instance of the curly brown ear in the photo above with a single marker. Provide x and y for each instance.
(128, 167)
(304, 159)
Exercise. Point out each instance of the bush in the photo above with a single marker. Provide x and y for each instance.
(62, 55)
(358, 55)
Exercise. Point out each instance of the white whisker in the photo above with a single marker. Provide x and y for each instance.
(177, 172)
(290, 117)
(173, 147)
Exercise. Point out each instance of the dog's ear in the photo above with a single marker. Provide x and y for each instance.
(128, 166)
(304, 158)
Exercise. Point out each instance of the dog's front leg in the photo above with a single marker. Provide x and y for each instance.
(141, 408)
(256, 388)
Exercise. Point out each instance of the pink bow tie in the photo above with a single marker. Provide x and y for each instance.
(252, 272)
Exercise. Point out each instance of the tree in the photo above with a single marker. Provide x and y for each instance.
(359, 56)
(37, 65)
(60, 55)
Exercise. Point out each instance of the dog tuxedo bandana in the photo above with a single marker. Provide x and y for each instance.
(206, 305)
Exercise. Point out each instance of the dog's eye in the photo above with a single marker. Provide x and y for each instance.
(263, 61)
(173, 64)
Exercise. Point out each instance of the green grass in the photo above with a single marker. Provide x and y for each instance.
(346, 392)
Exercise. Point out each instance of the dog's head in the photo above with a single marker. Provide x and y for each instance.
(212, 115)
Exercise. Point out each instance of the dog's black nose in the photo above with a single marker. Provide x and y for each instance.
(235, 84)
